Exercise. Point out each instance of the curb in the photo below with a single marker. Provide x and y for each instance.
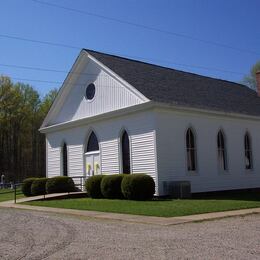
(163, 221)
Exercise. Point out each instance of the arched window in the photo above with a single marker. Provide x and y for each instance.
(248, 152)
(191, 150)
(222, 154)
(125, 152)
(92, 144)
(64, 160)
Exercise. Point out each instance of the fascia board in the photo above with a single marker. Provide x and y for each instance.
(58, 101)
(88, 120)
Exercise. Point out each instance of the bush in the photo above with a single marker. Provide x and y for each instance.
(138, 187)
(60, 184)
(111, 186)
(38, 186)
(92, 186)
(26, 186)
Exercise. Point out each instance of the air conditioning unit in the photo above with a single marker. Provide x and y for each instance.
(178, 189)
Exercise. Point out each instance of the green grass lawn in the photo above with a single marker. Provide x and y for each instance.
(160, 208)
(8, 194)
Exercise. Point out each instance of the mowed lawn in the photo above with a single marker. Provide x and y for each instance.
(8, 194)
(160, 208)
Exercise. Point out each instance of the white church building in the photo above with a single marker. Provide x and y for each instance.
(115, 115)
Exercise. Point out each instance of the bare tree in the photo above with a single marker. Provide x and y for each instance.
(250, 80)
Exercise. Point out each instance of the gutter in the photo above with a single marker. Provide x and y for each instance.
(176, 107)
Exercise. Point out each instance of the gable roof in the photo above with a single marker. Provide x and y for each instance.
(174, 87)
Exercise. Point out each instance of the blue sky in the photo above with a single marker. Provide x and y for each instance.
(234, 23)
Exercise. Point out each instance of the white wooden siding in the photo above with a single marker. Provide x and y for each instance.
(143, 153)
(109, 156)
(110, 95)
(158, 145)
(53, 161)
(75, 160)
(171, 151)
(140, 128)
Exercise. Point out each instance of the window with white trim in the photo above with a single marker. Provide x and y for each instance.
(64, 160)
(191, 150)
(125, 152)
(92, 144)
(248, 152)
(222, 154)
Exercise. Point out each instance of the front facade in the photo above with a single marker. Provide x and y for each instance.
(101, 124)
(112, 154)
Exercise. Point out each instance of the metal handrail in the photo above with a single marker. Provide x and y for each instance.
(15, 190)
(6, 185)
(81, 185)
(82, 181)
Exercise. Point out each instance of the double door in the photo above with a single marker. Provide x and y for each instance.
(92, 163)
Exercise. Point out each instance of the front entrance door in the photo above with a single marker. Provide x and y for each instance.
(92, 161)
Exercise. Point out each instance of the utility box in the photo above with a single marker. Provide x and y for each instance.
(178, 189)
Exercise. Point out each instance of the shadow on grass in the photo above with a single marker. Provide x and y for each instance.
(242, 195)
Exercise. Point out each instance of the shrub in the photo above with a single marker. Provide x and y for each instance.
(111, 186)
(60, 184)
(138, 187)
(38, 186)
(26, 186)
(92, 186)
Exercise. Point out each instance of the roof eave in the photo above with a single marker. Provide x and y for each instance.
(142, 107)
(211, 112)
(88, 120)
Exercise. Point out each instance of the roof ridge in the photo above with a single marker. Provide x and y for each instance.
(164, 67)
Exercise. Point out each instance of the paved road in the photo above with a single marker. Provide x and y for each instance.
(34, 235)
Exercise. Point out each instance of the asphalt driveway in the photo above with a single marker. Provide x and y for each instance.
(35, 235)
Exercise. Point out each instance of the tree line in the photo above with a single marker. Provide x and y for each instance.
(22, 146)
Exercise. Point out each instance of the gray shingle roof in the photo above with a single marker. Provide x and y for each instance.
(181, 88)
